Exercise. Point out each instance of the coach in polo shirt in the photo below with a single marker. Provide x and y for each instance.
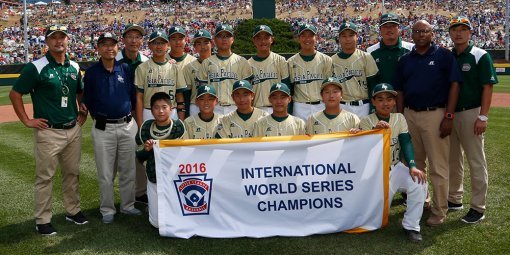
(427, 82)
(54, 83)
(110, 97)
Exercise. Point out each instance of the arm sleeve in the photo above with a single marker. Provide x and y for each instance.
(27, 80)
(407, 148)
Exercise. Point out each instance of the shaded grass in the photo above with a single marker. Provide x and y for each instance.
(4, 96)
(133, 235)
(504, 84)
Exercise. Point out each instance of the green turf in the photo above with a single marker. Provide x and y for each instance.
(504, 84)
(134, 235)
(4, 96)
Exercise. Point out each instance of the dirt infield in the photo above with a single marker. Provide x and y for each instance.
(7, 113)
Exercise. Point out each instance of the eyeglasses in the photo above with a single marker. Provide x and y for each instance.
(133, 38)
(421, 31)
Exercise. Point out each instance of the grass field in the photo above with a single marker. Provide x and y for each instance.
(134, 235)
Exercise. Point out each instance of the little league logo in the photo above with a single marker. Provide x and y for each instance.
(194, 192)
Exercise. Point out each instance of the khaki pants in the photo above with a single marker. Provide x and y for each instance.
(463, 137)
(114, 149)
(52, 146)
(424, 130)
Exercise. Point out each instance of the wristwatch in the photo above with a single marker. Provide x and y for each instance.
(449, 116)
(483, 118)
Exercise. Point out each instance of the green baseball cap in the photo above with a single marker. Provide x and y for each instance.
(460, 20)
(262, 28)
(383, 87)
(136, 27)
(54, 29)
(206, 89)
(202, 33)
(242, 84)
(221, 28)
(348, 26)
(305, 27)
(158, 34)
(176, 30)
(389, 18)
(333, 81)
(106, 36)
(279, 86)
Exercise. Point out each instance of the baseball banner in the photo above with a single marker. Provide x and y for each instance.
(273, 186)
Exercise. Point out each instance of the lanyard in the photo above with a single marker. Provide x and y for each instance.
(63, 83)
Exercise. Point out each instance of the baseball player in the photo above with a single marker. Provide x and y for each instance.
(280, 122)
(241, 122)
(307, 69)
(402, 178)
(202, 43)
(203, 124)
(356, 69)
(224, 68)
(333, 118)
(159, 128)
(157, 75)
(268, 67)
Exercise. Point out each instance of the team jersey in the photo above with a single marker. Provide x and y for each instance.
(151, 77)
(398, 126)
(268, 126)
(190, 72)
(386, 57)
(221, 73)
(353, 72)
(233, 126)
(319, 123)
(266, 72)
(199, 129)
(306, 74)
(183, 61)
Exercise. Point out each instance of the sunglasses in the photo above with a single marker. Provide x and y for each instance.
(58, 28)
(459, 20)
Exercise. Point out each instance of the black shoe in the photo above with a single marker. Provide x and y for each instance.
(454, 206)
(142, 199)
(78, 218)
(473, 217)
(413, 235)
(45, 229)
(404, 198)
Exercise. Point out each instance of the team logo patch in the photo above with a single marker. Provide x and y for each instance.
(466, 67)
(120, 79)
(194, 192)
(73, 76)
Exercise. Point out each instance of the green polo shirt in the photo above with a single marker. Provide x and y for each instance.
(386, 58)
(49, 84)
(133, 64)
(477, 70)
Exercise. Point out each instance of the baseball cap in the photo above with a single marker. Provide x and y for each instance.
(106, 36)
(348, 26)
(158, 34)
(221, 28)
(136, 27)
(262, 28)
(206, 89)
(176, 30)
(460, 20)
(383, 87)
(333, 81)
(279, 86)
(202, 33)
(389, 18)
(305, 27)
(242, 84)
(55, 28)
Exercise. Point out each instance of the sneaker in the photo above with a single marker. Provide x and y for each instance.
(142, 199)
(78, 218)
(45, 229)
(108, 218)
(132, 211)
(473, 217)
(413, 235)
(454, 206)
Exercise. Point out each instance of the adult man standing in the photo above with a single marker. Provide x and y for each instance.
(428, 88)
(470, 120)
(132, 38)
(109, 94)
(391, 47)
(356, 69)
(54, 83)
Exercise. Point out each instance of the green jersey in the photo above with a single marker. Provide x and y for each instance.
(386, 58)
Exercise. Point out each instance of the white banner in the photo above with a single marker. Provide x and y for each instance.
(273, 186)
